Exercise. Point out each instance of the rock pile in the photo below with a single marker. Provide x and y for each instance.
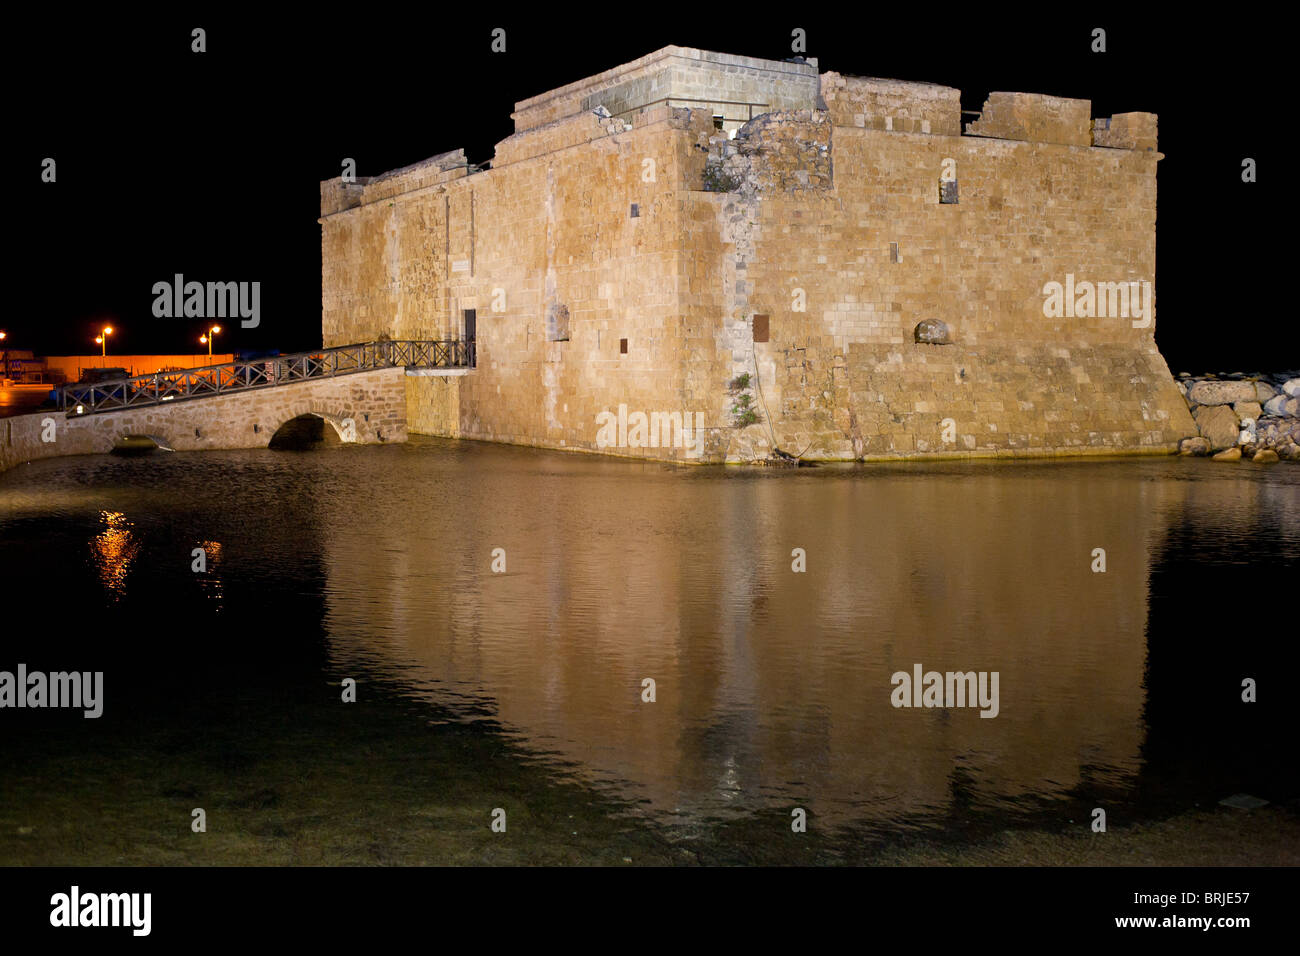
(1243, 416)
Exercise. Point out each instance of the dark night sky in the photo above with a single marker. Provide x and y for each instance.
(209, 165)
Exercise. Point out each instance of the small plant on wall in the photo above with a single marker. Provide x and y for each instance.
(716, 181)
(743, 412)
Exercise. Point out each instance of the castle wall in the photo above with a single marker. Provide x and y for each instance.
(545, 248)
(844, 379)
(828, 222)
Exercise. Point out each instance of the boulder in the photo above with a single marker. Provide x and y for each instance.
(931, 332)
(1276, 405)
(1288, 452)
(1197, 447)
(1232, 454)
(1218, 424)
(1265, 456)
(1264, 391)
(1247, 409)
(1292, 387)
(1221, 393)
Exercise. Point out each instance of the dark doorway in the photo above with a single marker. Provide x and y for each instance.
(471, 332)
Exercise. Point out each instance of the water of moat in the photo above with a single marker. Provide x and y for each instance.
(523, 690)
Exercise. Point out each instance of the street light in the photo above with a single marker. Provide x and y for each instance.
(102, 340)
(215, 330)
(5, 372)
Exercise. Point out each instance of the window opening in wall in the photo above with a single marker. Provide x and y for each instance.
(893, 253)
(622, 346)
(761, 327)
(717, 121)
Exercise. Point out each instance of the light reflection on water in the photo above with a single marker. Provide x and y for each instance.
(113, 550)
(773, 687)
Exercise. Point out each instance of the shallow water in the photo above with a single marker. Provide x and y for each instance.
(772, 688)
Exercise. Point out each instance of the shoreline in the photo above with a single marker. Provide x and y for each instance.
(1200, 837)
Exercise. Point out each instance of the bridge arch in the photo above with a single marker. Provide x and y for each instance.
(139, 443)
(310, 428)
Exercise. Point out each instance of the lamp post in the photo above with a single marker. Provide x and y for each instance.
(102, 341)
(215, 330)
(4, 374)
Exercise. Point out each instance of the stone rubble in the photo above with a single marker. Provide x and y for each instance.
(1243, 416)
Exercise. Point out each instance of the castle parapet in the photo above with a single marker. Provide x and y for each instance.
(337, 195)
(1135, 131)
(734, 89)
(897, 105)
(1035, 118)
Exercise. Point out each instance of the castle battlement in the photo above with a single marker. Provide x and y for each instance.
(681, 76)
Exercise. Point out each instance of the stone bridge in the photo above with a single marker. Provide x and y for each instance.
(365, 407)
(358, 391)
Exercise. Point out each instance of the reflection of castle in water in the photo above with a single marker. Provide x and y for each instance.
(773, 688)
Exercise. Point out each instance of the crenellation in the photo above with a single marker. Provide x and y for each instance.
(895, 105)
(1136, 131)
(1036, 118)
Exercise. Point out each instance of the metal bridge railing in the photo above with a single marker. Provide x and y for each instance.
(185, 384)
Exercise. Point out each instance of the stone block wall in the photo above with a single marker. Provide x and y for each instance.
(1136, 131)
(433, 404)
(620, 261)
(845, 273)
(1035, 117)
(576, 218)
(894, 105)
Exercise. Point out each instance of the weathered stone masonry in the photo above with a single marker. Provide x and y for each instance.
(628, 233)
(373, 402)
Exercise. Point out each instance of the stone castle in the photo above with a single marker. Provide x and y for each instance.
(714, 258)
